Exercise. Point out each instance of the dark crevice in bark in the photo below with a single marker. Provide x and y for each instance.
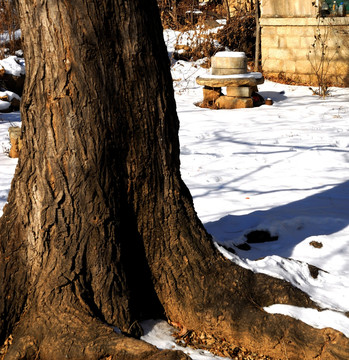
(145, 302)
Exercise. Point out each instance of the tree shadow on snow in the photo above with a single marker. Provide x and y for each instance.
(323, 213)
(12, 117)
(275, 95)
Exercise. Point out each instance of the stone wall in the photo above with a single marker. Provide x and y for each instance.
(287, 8)
(286, 43)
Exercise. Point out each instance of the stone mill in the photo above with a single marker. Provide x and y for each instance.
(229, 70)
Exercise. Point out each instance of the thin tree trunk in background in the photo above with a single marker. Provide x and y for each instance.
(258, 37)
(174, 12)
(228, 9)
(100, 230)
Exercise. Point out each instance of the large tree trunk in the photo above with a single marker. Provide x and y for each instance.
(99, 229)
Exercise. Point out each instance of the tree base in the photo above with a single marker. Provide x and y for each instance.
(90, 341)
(228, 315)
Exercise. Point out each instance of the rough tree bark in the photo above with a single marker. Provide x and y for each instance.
(99, 229)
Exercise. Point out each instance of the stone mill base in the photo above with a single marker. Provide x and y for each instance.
(239, 89)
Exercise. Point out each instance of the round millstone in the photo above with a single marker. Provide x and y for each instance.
(249, 79)
(229, 63)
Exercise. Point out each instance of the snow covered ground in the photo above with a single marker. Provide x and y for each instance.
(282, 168)
(7, 165)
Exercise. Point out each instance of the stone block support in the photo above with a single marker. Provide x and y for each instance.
(241, 91)
(211, 93)
(229, 102)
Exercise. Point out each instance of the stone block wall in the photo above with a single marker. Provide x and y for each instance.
(286, 43)
(288, 8)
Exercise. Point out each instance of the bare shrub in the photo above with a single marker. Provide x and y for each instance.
(322, 52)
(9, 23)
(177, 13)
(321, 55)
(194, 44)
(239, 33)
(193, 23)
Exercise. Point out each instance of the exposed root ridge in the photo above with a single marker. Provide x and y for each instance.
(83, 337)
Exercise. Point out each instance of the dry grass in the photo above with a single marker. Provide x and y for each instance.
(216, 346)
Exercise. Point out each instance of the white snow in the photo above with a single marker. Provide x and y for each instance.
(233, 54)
(191, 38)
(10, 95)
(318, 319)
(282, 168)
(5, 36)
(13, 65)
(197, 12)
(159, 333)
(4, 105)
(7, 165)
(248, 75)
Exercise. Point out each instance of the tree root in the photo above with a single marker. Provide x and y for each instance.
(230, 310)
(109, 346)
(46, 337)
(259, 335)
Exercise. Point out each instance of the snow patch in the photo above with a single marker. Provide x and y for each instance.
(159, 333)
(231, 54)
(13, 65)
(313, 317)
